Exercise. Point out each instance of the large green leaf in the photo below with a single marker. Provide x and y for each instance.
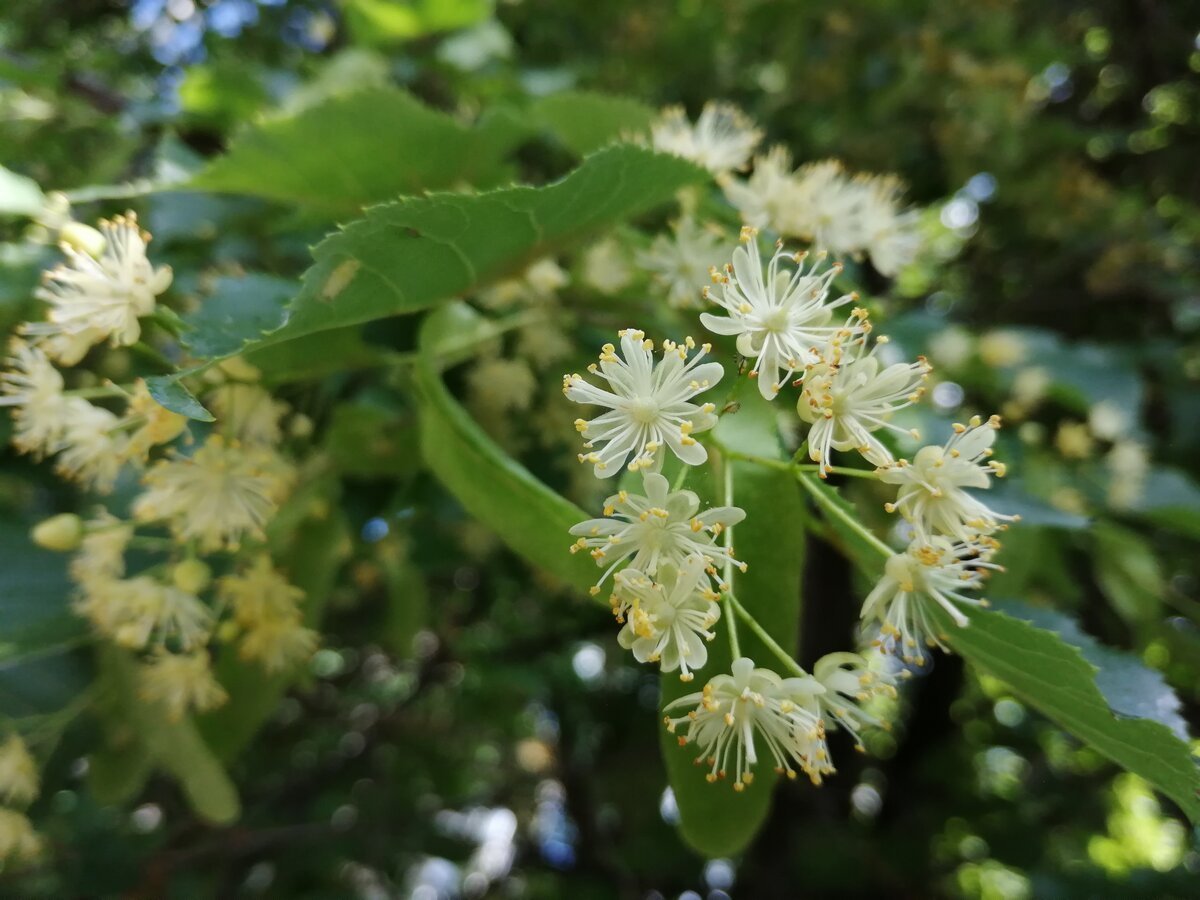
(1085, 688)
(714, 819)
(529, 517)
(407, 256)
(176, 748)
(309, 555)
(321, 157)
(585, 121)
(1054, 677)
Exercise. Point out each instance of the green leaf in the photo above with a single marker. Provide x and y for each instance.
(714, 819)
(168, 391)
(384, 22)
(317, 355)
(1128, 572)
(19, 196)
(238, 311)
(39, 672)
(411, 255)
(309, 555)
(1122, 715)
(117, 771)
(407, 256)
(1129, 686)
(1170, 499)
(531, 519)
(1056, 679)
(175, 747)
(585, 121)
(321, 157)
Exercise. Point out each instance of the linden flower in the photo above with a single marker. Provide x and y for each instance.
(103, 296)
(93, 446)
(661, 527)
(101, 555)
(782, 321)
(18, 772)
(35, 388)
(889, 235)
(649, 404)
(930, 572)
(733, 709)
(847, 397)
(260, 594)
(181, 682)
(217, 496)
(139, 611)
(848, 682)
(18, 841)
(278, 644)
(932, 487)
(667, 621)
(767, 198)
(248, 413)
(821, 203)
(680, 264)
(722, 139)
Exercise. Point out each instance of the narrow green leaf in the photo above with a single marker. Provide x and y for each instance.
(714, 819)
(585, 121)
(531, 519)
(322, 158)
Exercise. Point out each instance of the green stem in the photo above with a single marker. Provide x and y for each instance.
(727, 477)
(761, 633)
(820, 494)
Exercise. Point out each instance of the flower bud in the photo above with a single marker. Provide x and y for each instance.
(301, 426)
(192, 575)
(62, 532)
(82, 238)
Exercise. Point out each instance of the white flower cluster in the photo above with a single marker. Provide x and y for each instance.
(671, 565)
(854, 216)
(210, 492)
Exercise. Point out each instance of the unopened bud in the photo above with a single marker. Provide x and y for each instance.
(83, 238)
(301, 426)
(238, 369)
(192, 575)
(62, 532)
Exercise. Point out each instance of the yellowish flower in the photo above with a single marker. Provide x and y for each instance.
(181, 682)
(18, 772)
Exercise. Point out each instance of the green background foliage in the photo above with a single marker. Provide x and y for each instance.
(338, 186)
